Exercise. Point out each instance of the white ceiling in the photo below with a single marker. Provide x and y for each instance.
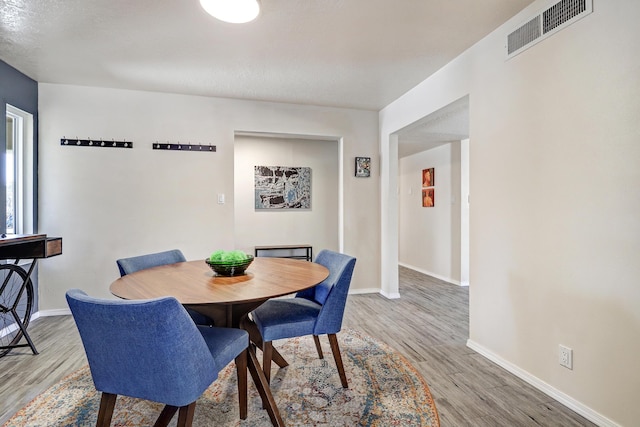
(342, 53)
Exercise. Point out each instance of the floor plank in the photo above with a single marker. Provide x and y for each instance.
(429, 325)
(25, 375)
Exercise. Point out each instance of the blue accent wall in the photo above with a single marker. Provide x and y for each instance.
(18, 90)
(21, 92)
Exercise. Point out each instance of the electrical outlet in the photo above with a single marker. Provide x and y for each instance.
(566, 357)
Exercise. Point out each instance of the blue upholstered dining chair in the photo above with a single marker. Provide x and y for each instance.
(315, 311)
(150, 349)
(136, 263)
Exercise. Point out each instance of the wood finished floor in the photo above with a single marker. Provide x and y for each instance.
(428, 325)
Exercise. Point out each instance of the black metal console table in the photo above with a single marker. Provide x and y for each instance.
(289, 249)
(16, 290)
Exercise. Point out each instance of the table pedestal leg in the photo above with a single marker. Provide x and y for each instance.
(236, 315)
(268, 402)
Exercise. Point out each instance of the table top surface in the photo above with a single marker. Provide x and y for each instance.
(193, 282)
(10, 239)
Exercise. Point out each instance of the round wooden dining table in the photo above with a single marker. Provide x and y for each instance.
(224, 299)
(227, 300)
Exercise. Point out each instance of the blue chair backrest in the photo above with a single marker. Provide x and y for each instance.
(133, 264)
(149, 349)
(332, 292)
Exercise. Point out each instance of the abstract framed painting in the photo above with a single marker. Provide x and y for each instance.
(282, 187)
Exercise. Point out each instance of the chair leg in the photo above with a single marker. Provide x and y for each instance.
(185, 416)
(267, 354)
(166, 415)
(316, 339)
(107, 404)
(335, 349)
(241, 368)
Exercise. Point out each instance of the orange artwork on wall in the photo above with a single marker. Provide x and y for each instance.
(428, 177)
(427, 197)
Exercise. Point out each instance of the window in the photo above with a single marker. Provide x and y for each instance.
(19, 172)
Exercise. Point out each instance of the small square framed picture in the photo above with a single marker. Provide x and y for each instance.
(363, 167)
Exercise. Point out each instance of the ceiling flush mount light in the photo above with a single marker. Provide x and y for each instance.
(233, 11)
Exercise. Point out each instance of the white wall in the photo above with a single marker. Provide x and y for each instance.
(317, 226)
(429, 238)
(113, 203)
(464, 212)
(555, 230)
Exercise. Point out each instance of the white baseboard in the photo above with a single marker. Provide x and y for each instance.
(14, 327)
(437, 276)
(389, 295)
(364, 291)
(57, 312)
(547, 389)
(374, 291)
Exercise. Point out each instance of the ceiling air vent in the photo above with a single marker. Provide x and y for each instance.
(546, 23)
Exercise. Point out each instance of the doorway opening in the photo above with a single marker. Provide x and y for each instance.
(434, 238)
(321, 224)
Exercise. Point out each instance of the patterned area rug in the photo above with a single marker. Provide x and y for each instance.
(384, 390)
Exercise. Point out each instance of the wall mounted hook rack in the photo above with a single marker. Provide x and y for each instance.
(76, 142)
(177, 146)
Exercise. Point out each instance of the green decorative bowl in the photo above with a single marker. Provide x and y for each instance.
(229, 268)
